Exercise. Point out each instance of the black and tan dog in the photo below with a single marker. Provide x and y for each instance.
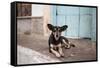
(56, 41)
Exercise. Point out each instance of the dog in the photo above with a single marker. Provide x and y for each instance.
(56, 41)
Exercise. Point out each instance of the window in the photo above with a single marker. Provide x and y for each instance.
(23, 9)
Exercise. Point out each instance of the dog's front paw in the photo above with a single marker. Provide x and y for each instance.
(58, 55)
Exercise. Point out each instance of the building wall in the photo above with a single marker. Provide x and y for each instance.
(46, 19)
(37, 25)
(37, 22)
(37, 10)
(24, 24)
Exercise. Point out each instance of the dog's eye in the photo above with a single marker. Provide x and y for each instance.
(60, 30)
(54, 30)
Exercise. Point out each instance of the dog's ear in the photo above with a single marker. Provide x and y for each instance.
(64, 27)
(50, 27)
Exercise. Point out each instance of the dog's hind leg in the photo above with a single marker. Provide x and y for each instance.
(66, 44)
(72, 45)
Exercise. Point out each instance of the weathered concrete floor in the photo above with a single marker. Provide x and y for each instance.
(84, 50)
(29, 56)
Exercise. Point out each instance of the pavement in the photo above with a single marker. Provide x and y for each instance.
(33, 49)
(29, 56)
